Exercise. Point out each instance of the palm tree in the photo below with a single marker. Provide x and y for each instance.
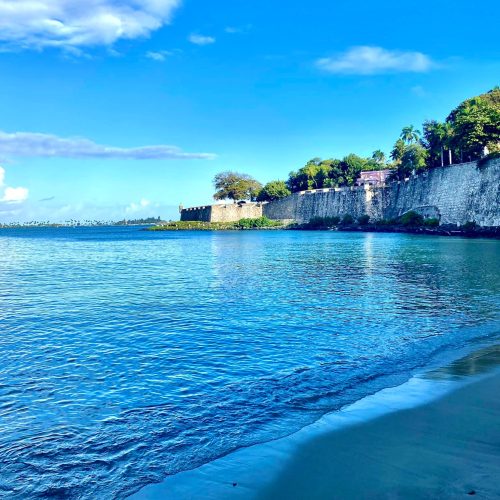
(438, 134)
(398, 150)
(409, 134)
(378, 156)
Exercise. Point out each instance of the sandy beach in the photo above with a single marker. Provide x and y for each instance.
(389, 445)
(449, 448)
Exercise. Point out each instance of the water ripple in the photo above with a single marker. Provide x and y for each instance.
(126, 356)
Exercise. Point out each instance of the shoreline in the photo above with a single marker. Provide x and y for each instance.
(371, 439)
(488, 233)
(445, 449)
(439, 231)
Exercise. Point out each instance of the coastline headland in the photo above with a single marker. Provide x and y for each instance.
(454, 195)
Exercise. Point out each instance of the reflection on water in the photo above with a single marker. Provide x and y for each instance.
(476, 363)
(126, 356)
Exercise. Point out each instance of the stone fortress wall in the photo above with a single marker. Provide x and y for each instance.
(453, 194)
(222, 213)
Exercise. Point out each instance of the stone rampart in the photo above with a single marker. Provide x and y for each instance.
(457, 194)
(199, 214)
(230, 212)
(235, 211)
(454, 194)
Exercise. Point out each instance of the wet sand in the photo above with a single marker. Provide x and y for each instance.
(449, 448)
(437, 436)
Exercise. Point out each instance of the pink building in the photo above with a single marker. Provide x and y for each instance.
(373, 177)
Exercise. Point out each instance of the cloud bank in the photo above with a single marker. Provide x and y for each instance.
(367, 60)
(35, 145)
(11, 195)
(134, 208)
(71, 24)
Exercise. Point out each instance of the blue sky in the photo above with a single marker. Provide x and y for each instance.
(115, 109)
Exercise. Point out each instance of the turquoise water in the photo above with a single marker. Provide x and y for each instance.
(126, 356)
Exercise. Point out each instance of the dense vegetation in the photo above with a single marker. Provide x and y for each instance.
(471, 130)
(258, 223)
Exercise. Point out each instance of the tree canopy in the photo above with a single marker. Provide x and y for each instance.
(470, 128)
(317, 173)
(235, 186)
(273, 190)
(475, 124)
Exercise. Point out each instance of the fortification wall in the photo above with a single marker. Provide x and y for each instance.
(234, 212)
(230, 212)
(455, 194)
(199, 214)
(305, 205)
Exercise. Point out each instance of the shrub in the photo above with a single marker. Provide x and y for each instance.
(347, 220)
(274, 190)
(363, 220)
(411, 218)
(469, 226)
(431, 222)
(256, 223)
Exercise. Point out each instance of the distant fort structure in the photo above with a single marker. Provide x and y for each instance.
(454, 194)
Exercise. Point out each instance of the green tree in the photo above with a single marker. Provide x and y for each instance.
(273, 190)
(311, 170)
(378, 157)
(351, 166)
(414, 159)
(410, 135)
(476, 124)
(398, 151)
(434, 141)
(235, 186)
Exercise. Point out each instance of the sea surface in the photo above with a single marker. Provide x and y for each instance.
(127, 356)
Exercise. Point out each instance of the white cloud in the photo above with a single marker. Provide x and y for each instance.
(201, 39)
(29, 144)
(10, 194)
(135, 208)
(71, 24)
(82, 211)
(160, 55)
(14, 195)
(366, 60)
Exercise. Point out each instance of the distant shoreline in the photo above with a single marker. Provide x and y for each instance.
(70, 226)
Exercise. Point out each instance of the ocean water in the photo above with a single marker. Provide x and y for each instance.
(127, 356)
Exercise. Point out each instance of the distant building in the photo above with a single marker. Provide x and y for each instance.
(373, 177)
